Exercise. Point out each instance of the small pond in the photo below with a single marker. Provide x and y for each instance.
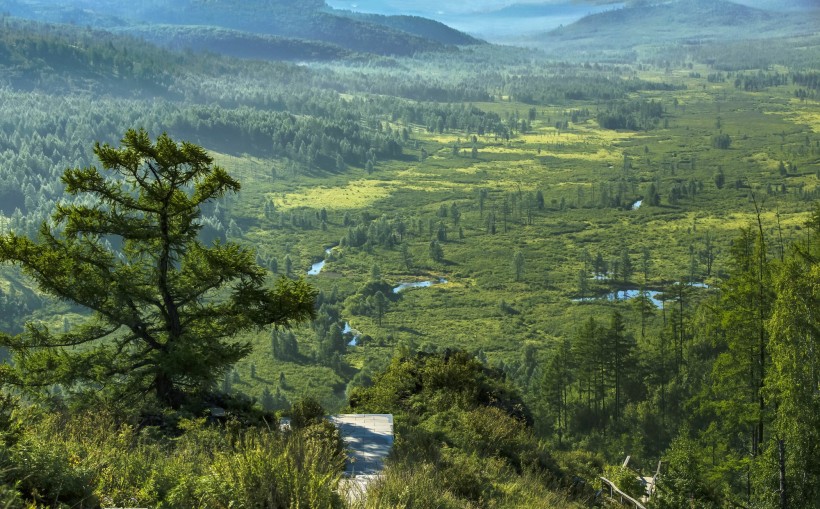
(632, 293)
(418, 284)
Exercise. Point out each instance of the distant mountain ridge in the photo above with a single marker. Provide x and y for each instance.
(651, 23)
(298, 20)
(558, 9)
(788, 5)
(421, 27)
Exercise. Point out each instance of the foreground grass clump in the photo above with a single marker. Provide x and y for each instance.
(413, 485)
(87, 460)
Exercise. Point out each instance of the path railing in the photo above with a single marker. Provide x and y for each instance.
(619, 496)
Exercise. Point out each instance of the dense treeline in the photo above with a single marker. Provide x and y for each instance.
(730, 381)
(760, 81)
(315, 142)
(53, 57)
(810, 80)
(632, 115)
(452, 117)
(38, 132)
(580, 85)
(63, 58)
(236, 43)
(417, 87)
(752, 54)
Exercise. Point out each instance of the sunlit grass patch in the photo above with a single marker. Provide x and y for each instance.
(602, 155)
(246, 169)
(730, 224)
(504, 149)
(594, 132)
(809, 182)
(807, 114)
(412, 173)
(424, 185)
(763, 160)
(470, 170)
(356, 194)
(445, 138)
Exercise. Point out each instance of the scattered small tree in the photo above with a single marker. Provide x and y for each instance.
(518, 265)
(436, 251)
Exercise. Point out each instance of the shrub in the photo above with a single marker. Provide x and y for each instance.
(305, 412)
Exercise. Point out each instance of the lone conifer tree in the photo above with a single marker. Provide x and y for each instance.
(166, 309)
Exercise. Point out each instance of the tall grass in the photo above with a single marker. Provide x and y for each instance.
(409, 485)
(91, 461)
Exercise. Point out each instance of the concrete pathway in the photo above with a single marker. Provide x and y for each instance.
(369, 438)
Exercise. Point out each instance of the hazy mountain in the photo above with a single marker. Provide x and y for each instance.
(495, 21)
(517, 21)
(416, 25)
(783, 5)
(653, 23)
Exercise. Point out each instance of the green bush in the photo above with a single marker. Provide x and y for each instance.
(305, 412)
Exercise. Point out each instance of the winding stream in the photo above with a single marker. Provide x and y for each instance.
(353, 332)
(356, 334)
(317, 267)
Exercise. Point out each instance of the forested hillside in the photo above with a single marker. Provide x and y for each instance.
(539, 265)
(309, 28)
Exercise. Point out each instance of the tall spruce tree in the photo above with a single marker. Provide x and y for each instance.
(166, 309)
(792, 385)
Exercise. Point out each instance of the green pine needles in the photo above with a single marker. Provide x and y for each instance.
(166, 309)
